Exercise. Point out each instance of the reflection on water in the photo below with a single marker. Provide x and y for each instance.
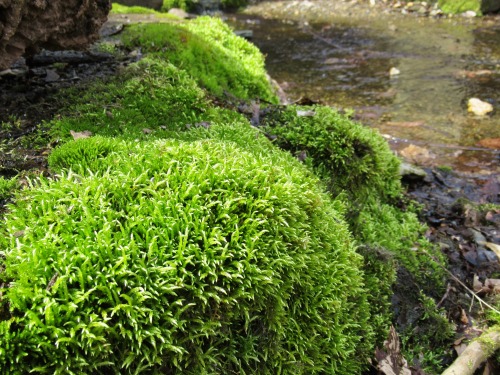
(442, 64)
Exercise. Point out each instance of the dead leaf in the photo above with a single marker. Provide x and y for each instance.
(490, 286)
(474, 74)
(416, 154)
(80, 135)
(490, 143)
(255, 120)
(19, 233)
(463, 317)
(52, 281)
(391, 361)
(51, 76)
(460, 348)
(493, 247)
(302, 155)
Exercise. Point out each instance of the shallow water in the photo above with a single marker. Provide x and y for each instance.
(345, 62)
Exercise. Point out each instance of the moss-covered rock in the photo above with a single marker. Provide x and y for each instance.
(210, 52)
(352, 158)
(203, 5)
(461, 6)
(167, 256)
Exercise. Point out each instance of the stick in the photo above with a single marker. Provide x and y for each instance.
(474, 295)
(476, 353)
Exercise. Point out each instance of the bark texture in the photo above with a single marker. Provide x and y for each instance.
(27, 26)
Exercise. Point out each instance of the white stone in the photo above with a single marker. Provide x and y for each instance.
(394, 71)
(478, 107)
(469, 14)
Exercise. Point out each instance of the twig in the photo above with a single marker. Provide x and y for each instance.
(474, 295)
(448, 288)
(476, 353)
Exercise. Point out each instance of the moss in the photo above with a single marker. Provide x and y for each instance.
(7, 186)
(151, 94)
(191, 5)
(210, 52)
(351, 158)
(123, 9)
(187, 5)
(460, 6)
(182, 257)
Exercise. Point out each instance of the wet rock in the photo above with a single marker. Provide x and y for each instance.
(478, 107)
(181, 13)
(154, 4)
(394, 72)
(27, 27)
(411, 172)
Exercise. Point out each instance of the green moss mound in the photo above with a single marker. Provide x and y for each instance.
(357, 166)
(460, 6)
(190, 5)
(123, 9)
(151, 94)
(180, 257)
(210, 52)
(350, 157)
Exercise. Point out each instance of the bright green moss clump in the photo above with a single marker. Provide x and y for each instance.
(350, 157)
(460, 6)
(192, 4)
(210, 52)
(174, 257)
(123, 9)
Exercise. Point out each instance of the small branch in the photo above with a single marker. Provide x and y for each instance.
(476, 353)
(474, 295)
(448, 288)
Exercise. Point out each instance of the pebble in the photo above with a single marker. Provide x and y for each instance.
(478, 107)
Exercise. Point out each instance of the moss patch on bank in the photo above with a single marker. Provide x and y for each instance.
(216, 251)
(210, 52)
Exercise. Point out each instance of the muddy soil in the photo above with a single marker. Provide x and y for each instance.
(30, 95)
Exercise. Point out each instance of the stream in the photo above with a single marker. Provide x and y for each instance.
(343, 57)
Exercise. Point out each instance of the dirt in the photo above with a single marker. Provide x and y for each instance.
(448, 199)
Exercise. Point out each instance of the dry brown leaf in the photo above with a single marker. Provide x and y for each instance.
(80, 135)
(490, 143)
(309, 113)
(416, 154)
(391, 361)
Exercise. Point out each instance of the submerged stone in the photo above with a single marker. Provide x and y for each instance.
(478, 107)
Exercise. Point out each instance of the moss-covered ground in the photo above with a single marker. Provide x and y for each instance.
(178, 238)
